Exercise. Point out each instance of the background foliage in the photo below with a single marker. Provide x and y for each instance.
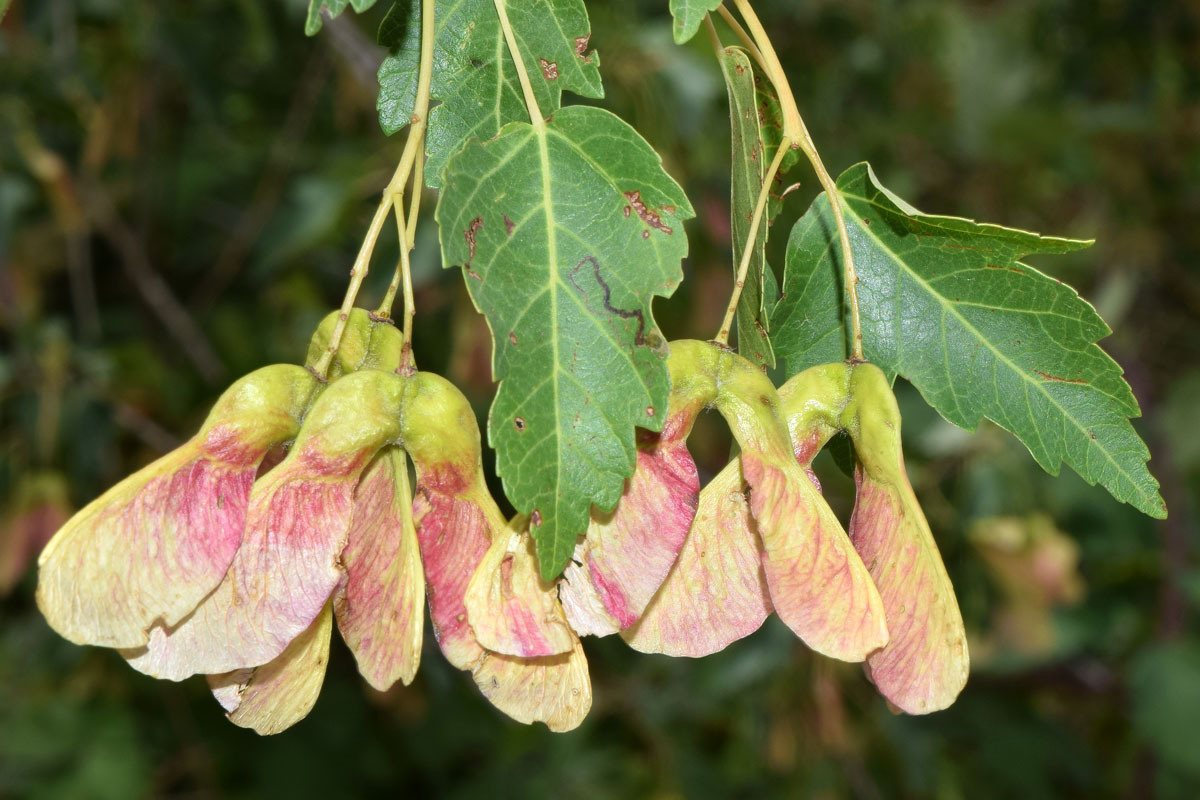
(182, 189)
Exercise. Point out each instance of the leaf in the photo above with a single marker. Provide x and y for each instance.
(332, 8)
(770, 121)
(688, 15)
(946, 303)
(474, 76)
(564, 233)
(753, 340)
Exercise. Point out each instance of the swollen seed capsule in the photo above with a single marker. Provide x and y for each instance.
(367, 343)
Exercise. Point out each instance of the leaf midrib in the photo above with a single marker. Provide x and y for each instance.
(540, 132)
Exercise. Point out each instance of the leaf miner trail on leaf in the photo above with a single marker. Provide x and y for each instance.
(571, 279)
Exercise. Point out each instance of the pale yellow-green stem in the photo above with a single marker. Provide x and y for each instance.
(535, 113)
(407, 362)
(713, 38)
(394, 191)
(408, 241)
(748, 252)
(795, 131)
(359, 271)
(407, 236)
(414, 200)
(747, 42)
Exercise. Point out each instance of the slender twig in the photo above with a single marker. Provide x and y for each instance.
(407, 362)
(795, 130)
(392, 194)
(270, 185)
(408, 239)
(748, 252)
(713, 38)
(740, 32)
(362, 264)
(414, 200)
(154, 289)
(535, 113)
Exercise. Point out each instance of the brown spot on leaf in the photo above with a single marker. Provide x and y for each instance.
(535, 518)
(549, 69)
(519, 424)
(469, 235)
(512, 337)
(628, 211)
(508, 225)
(649, 411)
(1002, 266)
(581, 43)
(1056, 378)
(647, 215)
(646, 234)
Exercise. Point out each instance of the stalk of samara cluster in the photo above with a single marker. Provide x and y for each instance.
(482, 582)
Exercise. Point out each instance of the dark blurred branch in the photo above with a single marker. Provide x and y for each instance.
(83, 285)
(88, 205)
(270, 186)
(360, 54)
(151, 286)
(146, 430)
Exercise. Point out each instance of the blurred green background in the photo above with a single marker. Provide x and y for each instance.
(182, 190)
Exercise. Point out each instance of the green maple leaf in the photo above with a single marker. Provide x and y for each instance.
(474, 77)
(946, 303)
(753, 340)
(688, 15)
(565, 232)
(312, 22)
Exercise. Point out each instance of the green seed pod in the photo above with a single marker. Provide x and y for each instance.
(367, 343)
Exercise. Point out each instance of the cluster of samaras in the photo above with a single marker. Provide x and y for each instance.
(231, 556)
